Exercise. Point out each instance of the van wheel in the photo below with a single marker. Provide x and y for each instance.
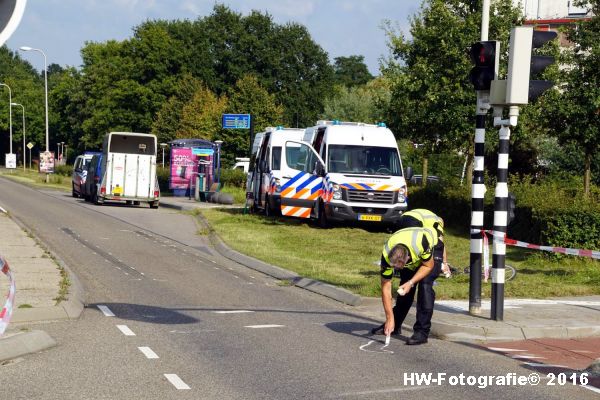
(73, 192)
(268, 210)
(322, 218)
(96, 200)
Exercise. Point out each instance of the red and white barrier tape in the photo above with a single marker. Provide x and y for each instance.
(7, 310)
(561, 250)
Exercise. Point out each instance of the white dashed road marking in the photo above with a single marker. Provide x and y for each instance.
(148, 352)
(177, 382)
(233, 312)
(126, 331)
(263, 326)
(106, 311)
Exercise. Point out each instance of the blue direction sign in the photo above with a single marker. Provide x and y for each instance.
(236, 121)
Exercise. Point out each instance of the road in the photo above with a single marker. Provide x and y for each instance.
(167, 318)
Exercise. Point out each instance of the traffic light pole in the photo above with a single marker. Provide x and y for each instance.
(478, 184)
(477, 196)
(500, 224)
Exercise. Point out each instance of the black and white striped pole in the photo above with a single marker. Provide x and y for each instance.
(477, 195)
(500, 224)
(485, 55)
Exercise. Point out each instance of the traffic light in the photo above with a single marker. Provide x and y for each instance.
(485, 56)
(522, 64)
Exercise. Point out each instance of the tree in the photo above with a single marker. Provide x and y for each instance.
(201, 116)
(351, 71)
(249, 97)
(573, 111)
(366, 103)
(432, 100)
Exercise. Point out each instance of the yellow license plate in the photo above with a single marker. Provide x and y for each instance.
(118, 191)
(369, 217)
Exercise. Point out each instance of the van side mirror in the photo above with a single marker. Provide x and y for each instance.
(408, 174)
(319, 168)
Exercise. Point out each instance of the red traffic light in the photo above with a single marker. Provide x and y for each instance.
(483, 55)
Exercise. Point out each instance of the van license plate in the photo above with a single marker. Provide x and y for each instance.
(362, 217)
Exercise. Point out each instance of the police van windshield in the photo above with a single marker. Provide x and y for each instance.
(369, 160)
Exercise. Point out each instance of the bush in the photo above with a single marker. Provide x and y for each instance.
(551, 212)
(63, 170)
(233, 178)
(163, 175)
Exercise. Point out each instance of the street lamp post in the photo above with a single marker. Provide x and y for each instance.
(219, 143)
(9, 113)
(27, 48)
(163, 145)
(24, 151)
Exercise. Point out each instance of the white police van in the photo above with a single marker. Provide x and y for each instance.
(271, 167)
(351, 171)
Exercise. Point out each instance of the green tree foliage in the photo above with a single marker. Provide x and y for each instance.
(573, 111)
(27, 88)
(249, 97)
(201, 116)
(366, 103)
(432, 99)
(351, 71)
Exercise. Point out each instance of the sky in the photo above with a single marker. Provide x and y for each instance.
(342, 27)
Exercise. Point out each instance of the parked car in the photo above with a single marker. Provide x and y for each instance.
(80, 172)
(90, 189)
(418, 179)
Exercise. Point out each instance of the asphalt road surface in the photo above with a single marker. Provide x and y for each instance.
(167, 318)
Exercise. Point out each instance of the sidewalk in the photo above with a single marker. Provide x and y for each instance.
(525, 320)
(37, 279)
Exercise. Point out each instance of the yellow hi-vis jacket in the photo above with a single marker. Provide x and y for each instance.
(427, 218)
(420, 243)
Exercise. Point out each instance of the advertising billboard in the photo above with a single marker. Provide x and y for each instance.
(47, 162)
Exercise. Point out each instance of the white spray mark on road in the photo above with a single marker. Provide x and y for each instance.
(381, 350)
(233, 311)
(263, 326)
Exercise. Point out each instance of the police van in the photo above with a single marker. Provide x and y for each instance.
(271, 167)
(349, 171)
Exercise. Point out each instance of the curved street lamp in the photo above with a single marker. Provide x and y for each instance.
(24, 154)
(27, 48)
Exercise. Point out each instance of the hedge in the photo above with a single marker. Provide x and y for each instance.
(551, 213)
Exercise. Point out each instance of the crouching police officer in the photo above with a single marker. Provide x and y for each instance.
(415, 253)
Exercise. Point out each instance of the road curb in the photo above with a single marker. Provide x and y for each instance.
(68, 309)
(22, 343)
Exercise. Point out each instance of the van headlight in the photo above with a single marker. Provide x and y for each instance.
(277, 185)
(402, 193)
(337, 191)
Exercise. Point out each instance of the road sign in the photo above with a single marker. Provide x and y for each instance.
(11, 161)
(30, 145)
(236, 121)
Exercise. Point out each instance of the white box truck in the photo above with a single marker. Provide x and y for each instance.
(271, 167)
(355, 170)
(129, 169)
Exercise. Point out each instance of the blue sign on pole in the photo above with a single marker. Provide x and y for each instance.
(236, 121)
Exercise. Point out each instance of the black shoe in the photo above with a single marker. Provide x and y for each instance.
(415, 340)
(379, 330)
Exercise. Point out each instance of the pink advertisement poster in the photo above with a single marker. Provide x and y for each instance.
(183, 164)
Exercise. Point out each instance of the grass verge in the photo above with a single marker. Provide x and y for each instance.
(34, 178)
(348, 257)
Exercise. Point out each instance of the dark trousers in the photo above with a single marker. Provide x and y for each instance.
(425, 298)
